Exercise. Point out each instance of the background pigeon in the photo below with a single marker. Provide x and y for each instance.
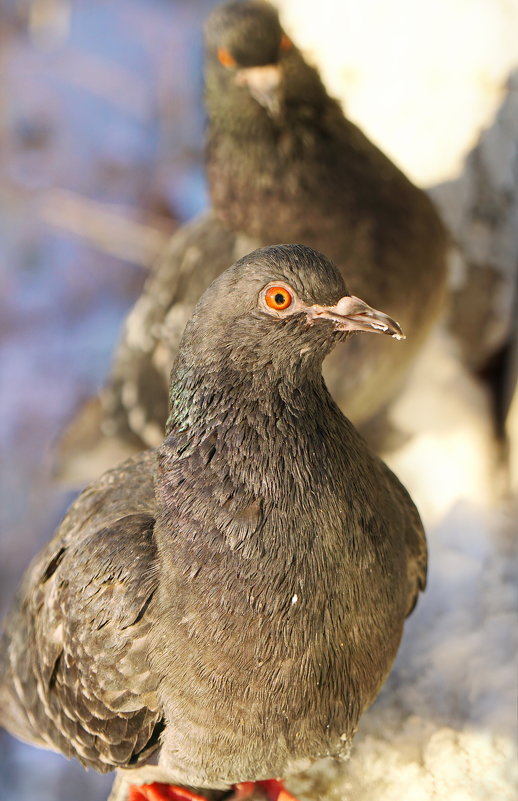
(284, 165)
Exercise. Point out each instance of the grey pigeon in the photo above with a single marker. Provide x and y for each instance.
(221, 610)
(284, 165)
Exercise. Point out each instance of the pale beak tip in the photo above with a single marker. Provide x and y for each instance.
(389, 326)
(394, 329)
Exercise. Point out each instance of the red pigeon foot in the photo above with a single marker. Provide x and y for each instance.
(162, 792)
(273, 789)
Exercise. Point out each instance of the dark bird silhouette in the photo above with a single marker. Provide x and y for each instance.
(220, 611)
(283, 165)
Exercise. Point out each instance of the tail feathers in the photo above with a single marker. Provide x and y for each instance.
(13, 717)
(14, 720)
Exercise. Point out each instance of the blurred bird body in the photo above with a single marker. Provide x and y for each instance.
(284, 165)
(222, 609)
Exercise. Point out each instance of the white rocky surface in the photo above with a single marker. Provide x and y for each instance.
(480, 207)
(422, 79)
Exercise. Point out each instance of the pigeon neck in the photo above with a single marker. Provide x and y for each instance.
(217, 395)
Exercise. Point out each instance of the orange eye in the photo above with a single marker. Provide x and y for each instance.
(278, 297)
(286, 43)
(225, 58)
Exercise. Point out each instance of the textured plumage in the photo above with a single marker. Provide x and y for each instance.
(79, 671)
(228, 604)
(284, 165)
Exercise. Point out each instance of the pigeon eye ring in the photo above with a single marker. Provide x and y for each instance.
(278, 297)
(225, 58)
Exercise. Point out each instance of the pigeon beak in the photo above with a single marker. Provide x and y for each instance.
(264, 85)
(353, 314)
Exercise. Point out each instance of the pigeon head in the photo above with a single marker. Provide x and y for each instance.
(246, 34)
(250, 57)
(278, 308)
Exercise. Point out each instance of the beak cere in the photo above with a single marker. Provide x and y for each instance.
(353, 314)
(263, 84)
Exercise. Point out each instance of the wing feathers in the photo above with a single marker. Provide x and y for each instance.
(84, 686)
